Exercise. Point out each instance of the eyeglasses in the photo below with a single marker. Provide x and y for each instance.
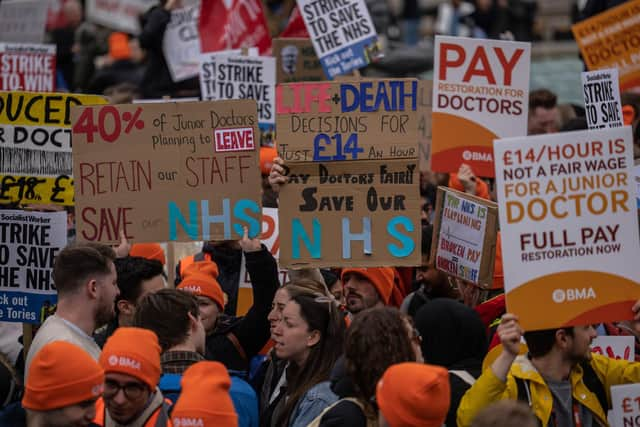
(131, 390)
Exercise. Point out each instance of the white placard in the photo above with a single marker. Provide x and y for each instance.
(625, 400)
(23, 21)
(181, 43)
(601, 91)
(615, 347)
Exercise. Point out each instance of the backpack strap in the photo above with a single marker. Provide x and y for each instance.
(163, 415)
(464, 376)
(593, 383)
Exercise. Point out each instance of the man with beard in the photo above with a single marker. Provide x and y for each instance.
(561, 380)
(367, 287)
(85, 278)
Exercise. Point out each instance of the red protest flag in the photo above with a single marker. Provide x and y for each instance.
(295, 26)
(233, 24)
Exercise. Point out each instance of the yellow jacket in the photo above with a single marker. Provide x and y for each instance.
(489, 388)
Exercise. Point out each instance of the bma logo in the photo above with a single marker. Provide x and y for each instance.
(575, 294)
(126, 362)
(188, 422)
(476, 156)
(193, 288)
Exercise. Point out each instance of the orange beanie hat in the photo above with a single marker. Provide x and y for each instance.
(482, 189)
(119, 46)
(380, 277)
(414, 395)
(148, 251)
(203, 285)
(267, 154)
(134, 352)
(202, 384)
(62, 374)
(204, 267)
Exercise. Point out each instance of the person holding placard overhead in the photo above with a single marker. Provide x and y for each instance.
(561, 380)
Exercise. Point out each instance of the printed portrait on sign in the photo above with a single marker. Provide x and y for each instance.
(289, 55)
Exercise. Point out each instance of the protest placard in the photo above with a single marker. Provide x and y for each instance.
(569, 227)
(35, 146)
(601, 93)
(181, 43)
(425, 96)
(29, 243)
(342, 34)
(610, 40)
(296, 61)
(208, 71)
(615, 347)
(120, 15)
(233, 24)
(165, 172)
(28, 67)
(362, 213)
(338, 121)
(23, 21)
(464, 236)
(636, 178)
(241, 77)
(480, 93)
(625, 402)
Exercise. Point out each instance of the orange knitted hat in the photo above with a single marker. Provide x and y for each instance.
(205, 383)
(267, 154)
(62, 374)
(414, 395)
(380, 277)
(204, 267)
(148, 251)
(203, 285)
(134, 352)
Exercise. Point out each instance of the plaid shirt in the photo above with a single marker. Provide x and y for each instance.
(176, 362)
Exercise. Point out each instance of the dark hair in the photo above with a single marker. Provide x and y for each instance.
(506, 413)
(542, 98)
(321, 314)
(75, 264)
(376, 339)
(330, 278)
(132, 271)
(166, 313)
(541, 342)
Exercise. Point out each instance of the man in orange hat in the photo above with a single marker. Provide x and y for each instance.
(367, 287)
(131, 361)
(63, 385)
(203, 383)
(413, 395)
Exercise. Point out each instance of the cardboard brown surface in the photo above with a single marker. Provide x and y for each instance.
(488, 251)
(351, 192)
(345, 121)
(166, 172)
(296, 61)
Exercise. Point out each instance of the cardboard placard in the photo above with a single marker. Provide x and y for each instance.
(425, 96)
(165, 172)
(464, 236)
(120, 15)
(28, 67)
(23, 21)
(480, 93)
(181, 43)
(610, 40)
(35, 146)
(601, 93)
(241, 77)
(342, 34)
(625, 402)
(569, 227)
(296, 61)
(363, 213)
(615, 347)
(29, 243)
(341, 121)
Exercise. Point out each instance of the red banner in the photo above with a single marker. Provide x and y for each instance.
(295, 26)
(233, 24)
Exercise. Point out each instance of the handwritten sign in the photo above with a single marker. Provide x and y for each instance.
(602, 99)
(342, 34)
(464, 238)
(322, 122)
(296, 60)
(362, 213)
(615, 347)
(35, 146)
(425, 96)
(181, 43)
(480, 93)
(164, 172)
(29, 244)
(610, 40)
(569, 227)
(625, 402)
(27, 67)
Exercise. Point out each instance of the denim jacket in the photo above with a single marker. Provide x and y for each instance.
(314, 401)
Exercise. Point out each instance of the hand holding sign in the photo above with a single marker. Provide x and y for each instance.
(277, 175)
(510, 334)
